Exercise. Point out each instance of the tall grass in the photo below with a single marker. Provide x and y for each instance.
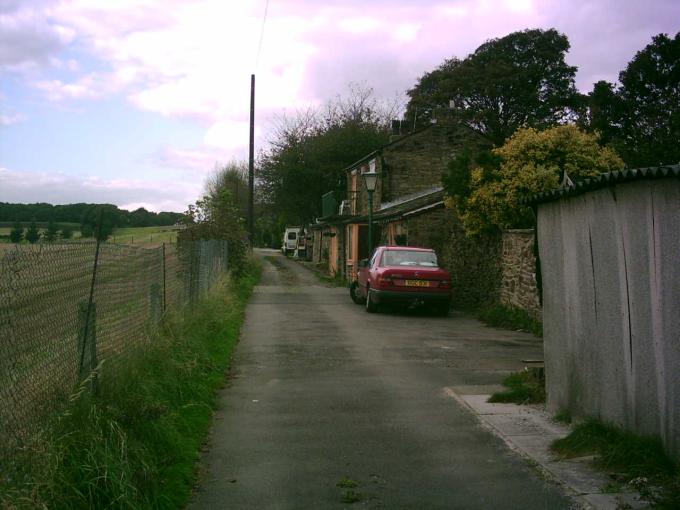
(134, 443)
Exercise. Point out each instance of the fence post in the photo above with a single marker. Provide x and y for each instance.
(87, 338)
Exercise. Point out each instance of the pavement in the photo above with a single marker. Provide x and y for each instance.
(530, 430)
(329, 407)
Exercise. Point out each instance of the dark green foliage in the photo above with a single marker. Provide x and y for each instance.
(100, 221)
(17, 233)
(616, 450)
(32, 233)
(51, 232)
(66, 232)
(135, 444)
(516, 81)
(74, 213)
(523, 388)
(456, 181)
(218, 216)
(509, 317)
(310, 152)
(641, 117)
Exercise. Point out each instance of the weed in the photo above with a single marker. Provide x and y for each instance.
(136, 442)
(645, 465)
(523, 388)
(347, 483)
(350, 496)
(563, 416)
(509, 317)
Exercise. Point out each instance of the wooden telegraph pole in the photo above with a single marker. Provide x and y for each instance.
(251, 164)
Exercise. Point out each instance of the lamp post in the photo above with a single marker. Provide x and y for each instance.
(370, 181)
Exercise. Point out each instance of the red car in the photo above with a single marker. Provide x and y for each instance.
(402, 275)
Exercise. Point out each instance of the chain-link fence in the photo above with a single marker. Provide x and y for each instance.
(65, 307)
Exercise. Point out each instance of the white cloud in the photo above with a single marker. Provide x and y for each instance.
(9, 119)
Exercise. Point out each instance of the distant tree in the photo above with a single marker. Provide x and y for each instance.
(100, 221)
(66, 232)
(32, 233)
(232, 177)
(17, 233)
(640, 117)
(520, 80)
(50, 234)
(529, 162)
(86, 230)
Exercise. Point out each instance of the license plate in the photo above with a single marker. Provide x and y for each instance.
(417, 283)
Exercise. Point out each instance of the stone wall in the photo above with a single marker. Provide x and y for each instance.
(518, 272)
(418, 162)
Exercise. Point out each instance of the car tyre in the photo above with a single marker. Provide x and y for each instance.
(371, 306)
(442, 310)
(354, 294)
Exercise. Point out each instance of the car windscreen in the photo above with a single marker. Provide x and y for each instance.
(409, 258)
(292, 235)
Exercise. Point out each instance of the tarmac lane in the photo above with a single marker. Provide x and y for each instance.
(330, 407)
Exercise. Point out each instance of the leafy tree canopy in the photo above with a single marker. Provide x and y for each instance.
(309, 153)
(519, 80)
(641, 117)
(529, 162)
(32, 233)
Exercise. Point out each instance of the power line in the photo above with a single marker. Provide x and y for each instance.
(259, 46)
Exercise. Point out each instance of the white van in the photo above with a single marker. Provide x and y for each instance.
(290, 240)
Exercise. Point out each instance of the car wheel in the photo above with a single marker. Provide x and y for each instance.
(442, 310)
(354, 294)
(371, 307)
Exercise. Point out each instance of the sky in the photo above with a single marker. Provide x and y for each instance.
(135, 102)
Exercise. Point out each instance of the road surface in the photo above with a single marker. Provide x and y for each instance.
(329, 407)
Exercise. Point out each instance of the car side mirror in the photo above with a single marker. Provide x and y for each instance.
(363, 263)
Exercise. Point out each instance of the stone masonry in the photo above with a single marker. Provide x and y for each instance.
(518, 272)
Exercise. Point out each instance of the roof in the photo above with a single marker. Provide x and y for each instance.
(605, 180)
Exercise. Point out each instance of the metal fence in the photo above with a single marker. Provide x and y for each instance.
(65, 307)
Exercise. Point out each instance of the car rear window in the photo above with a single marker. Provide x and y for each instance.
(409, 258)
(292, 235)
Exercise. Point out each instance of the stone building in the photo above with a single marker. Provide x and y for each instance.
(408, 204)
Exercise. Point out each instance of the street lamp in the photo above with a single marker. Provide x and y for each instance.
(370, 181)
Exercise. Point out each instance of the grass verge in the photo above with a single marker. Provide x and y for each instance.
(522, 388)
(636, 460)
(136, 442)
(508, 317)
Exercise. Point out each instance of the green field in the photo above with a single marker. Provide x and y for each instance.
(143, 236)
(146, 236)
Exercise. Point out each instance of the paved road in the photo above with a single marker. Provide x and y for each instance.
(320, 390)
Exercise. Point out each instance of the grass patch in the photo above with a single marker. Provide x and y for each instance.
(508, 317)
(638, 460)
(523, 388)
(564, 416)
(347, 483)
(135, 443)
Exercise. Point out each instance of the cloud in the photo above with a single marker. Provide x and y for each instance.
(9, 119)
(197, 161)
(28, 37)
(57, 188)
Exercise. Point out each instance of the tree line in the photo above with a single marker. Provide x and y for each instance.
(79, 214)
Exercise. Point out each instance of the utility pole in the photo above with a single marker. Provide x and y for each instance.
(251, 164)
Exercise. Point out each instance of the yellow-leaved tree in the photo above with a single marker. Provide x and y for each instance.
(529, 162)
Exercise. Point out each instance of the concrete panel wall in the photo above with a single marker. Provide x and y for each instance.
(611, 305)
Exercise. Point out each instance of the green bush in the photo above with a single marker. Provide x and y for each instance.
(510, 318)
(523, 388)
